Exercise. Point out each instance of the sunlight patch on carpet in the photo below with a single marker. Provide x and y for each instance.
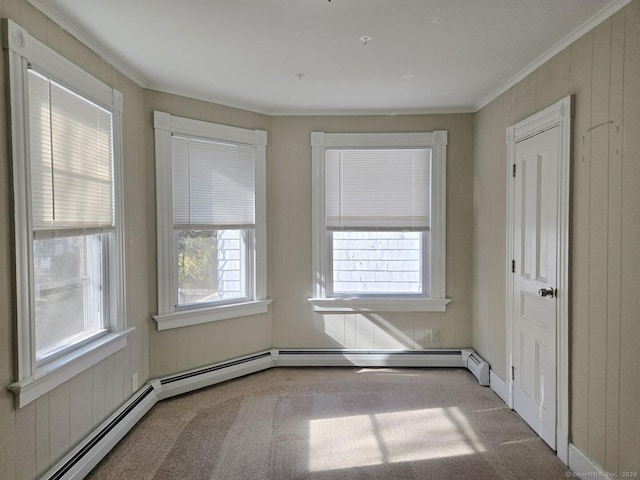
(390, 437)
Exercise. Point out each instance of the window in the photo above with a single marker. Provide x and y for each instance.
(211, 221)
(66, 170)
(379, 221)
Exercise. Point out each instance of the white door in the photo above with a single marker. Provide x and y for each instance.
(534, 281)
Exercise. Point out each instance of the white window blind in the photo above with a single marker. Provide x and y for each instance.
(213, 184)
(71, 150)
(371, 189)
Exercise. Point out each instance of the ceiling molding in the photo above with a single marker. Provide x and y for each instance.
(361, 112)
(108, 56)
(587, 26)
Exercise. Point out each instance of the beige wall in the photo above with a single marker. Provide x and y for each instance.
(290, 321)
(34, 437)
(289, 240)
(602, 70)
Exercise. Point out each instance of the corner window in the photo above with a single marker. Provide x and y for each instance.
(379, 218)
(211, 221)
(67, 190)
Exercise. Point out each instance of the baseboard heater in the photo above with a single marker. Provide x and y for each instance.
(369, 358)
(477, 366)
(86, 455)
(207, 376)
(464, 358)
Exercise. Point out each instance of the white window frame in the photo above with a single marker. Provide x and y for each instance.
(435, 301)
(168, 315)
(36, 380)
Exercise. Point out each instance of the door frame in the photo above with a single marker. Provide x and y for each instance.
(557, 114)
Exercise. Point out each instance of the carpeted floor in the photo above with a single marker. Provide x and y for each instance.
(334, 423)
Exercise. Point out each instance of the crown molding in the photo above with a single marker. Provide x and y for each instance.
(107, 55)
(590, 24)
(309, 112)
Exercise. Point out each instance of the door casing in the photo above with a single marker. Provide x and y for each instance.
(557, 114)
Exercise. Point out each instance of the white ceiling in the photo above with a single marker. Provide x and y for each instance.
(248, 53)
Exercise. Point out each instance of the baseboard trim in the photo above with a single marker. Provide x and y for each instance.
(583, 466)
(562, 445)
(88, 453)
(499, 386)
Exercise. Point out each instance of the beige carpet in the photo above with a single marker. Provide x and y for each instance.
(334, 423)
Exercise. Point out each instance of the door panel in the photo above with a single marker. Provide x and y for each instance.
(534, 243)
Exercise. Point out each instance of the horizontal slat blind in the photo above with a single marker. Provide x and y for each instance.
(213, 183)
(373, 189)
(71, 150)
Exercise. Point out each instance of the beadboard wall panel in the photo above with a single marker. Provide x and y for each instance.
(602, 70)
(629, 235)
(36, 436)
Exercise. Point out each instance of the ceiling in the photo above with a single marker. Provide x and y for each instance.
(308, 56)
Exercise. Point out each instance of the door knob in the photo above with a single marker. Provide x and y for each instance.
(546, 292)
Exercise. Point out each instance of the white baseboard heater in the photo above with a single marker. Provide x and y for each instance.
(86, 455)
(387, 358)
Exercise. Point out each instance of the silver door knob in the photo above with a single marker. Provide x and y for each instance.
(546, 292)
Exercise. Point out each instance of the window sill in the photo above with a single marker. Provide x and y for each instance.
(185, 318)
(355, 305)
(68, 366)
